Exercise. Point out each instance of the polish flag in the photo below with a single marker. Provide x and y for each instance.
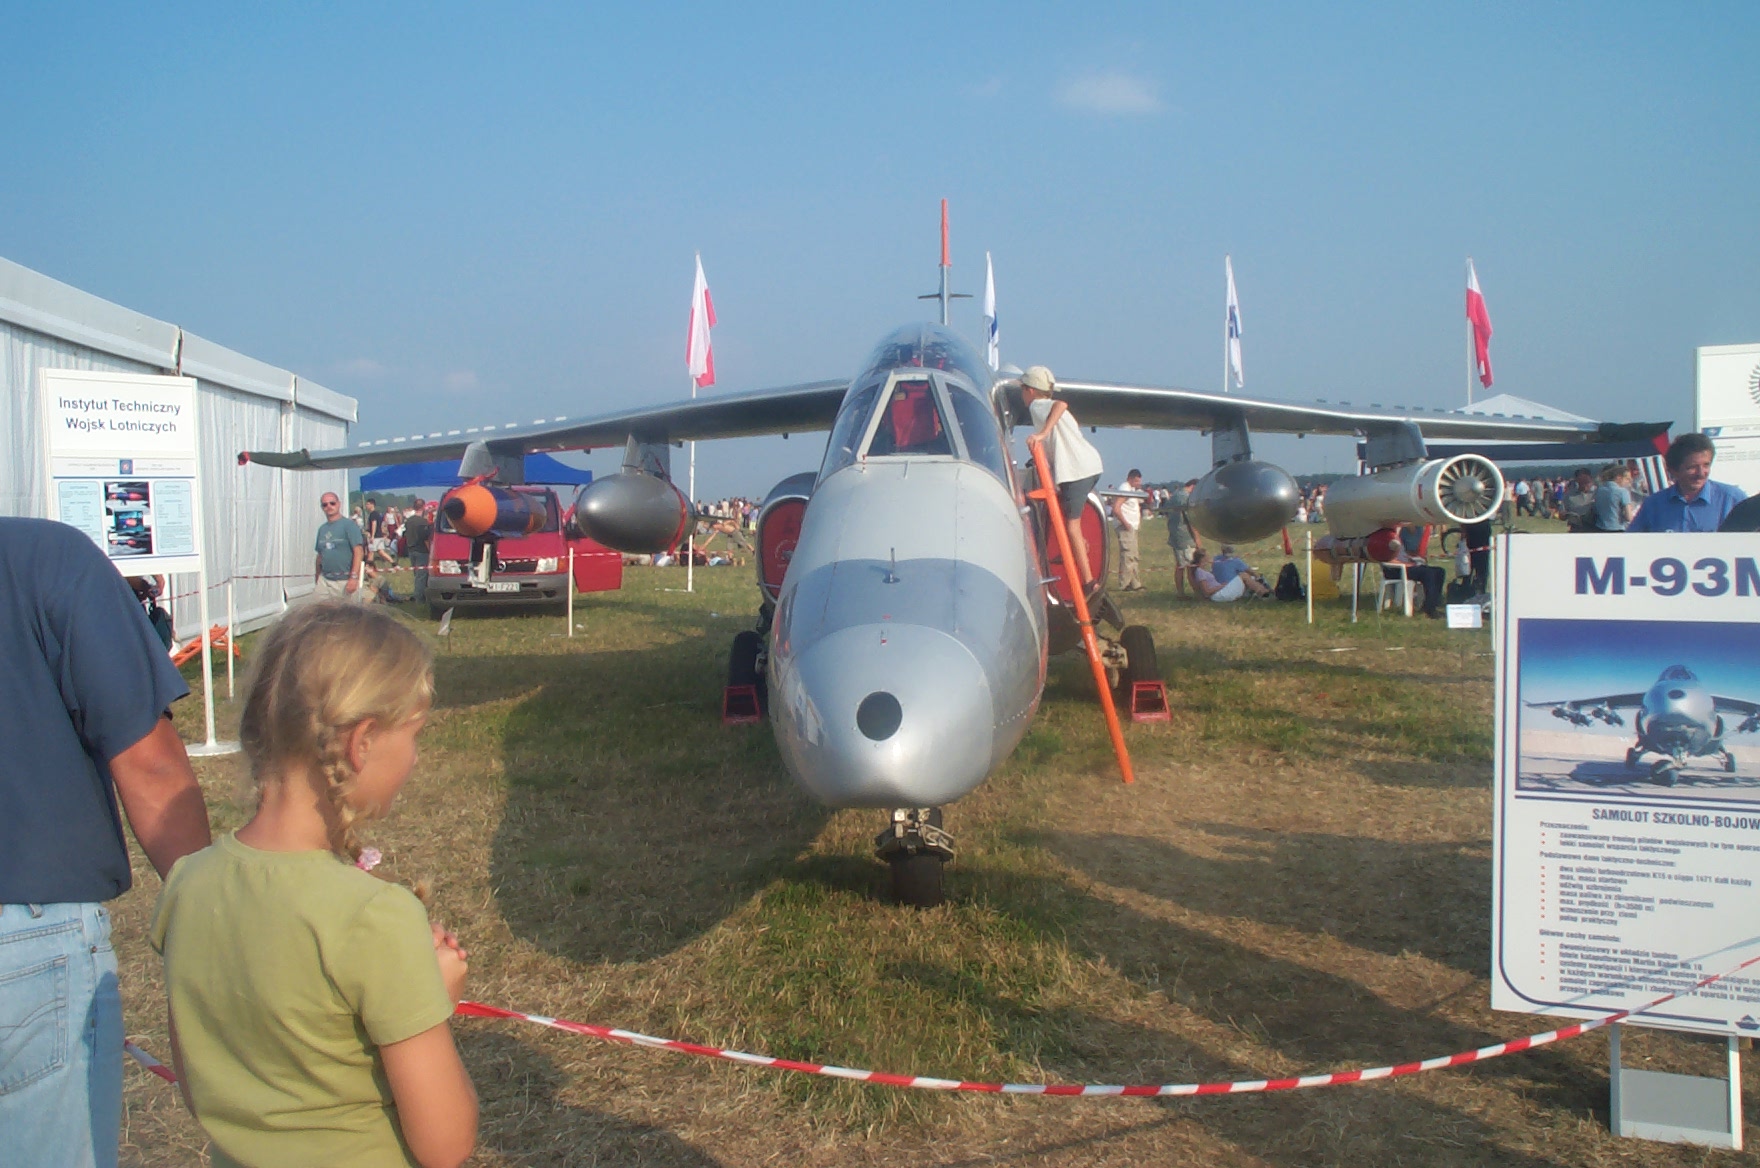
(698, 354)
(1481, 322)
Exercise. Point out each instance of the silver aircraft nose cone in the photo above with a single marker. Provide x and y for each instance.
(885, 715)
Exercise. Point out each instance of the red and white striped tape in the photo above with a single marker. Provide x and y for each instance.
(923, 1082)
(148, 1061)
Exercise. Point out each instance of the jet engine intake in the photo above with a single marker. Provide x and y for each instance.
(1450, 491)
(779, 529)
(633, 512)
(1239, 502)
(478, 509)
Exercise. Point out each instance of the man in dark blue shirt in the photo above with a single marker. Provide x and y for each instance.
(85, 691)
(1694, 502)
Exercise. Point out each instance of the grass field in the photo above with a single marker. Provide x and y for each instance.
(1298, 881)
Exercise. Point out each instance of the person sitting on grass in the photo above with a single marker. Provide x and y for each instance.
(308, 999)
(1211, 589)
(1228, 564)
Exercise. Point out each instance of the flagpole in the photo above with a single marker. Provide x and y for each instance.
(690, 543)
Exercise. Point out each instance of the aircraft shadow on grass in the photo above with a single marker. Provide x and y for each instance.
(633, 821)
(525, 1118)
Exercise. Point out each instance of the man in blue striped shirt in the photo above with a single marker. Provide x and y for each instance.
(1694, 502)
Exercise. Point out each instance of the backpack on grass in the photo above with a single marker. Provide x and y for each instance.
(1289, 584)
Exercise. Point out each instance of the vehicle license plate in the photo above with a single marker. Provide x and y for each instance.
(502, 586)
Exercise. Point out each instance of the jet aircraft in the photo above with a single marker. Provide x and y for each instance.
(908, 599)
(1677, 718)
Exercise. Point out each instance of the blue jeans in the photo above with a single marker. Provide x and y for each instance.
(60, 1036)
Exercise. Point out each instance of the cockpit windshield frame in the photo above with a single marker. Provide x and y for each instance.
(949, 426)
(963, 389)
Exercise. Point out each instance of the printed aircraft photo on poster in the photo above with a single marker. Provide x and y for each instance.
(908, 593)
(1677, 718)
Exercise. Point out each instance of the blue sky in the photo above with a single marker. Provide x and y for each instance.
(461, 214)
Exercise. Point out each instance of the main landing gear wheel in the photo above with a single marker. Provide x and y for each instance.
(1139, 665)
(1664, 772)
(1729, 763)
(743, 668)
(1632, 756)
(917, 851)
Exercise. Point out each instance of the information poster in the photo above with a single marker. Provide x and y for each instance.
(122, 451)
(1627, 813)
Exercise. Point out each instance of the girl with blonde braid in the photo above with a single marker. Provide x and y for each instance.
(308, 999)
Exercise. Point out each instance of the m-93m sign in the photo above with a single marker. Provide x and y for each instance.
(1669, 575)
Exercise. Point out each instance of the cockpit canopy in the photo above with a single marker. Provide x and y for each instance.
(1678, 673)
(924, 394)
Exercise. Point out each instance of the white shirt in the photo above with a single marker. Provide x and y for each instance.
(1072, 456)
(1129, 512)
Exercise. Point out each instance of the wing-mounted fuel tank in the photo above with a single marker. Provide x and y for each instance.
(639, 510)
(1239, 502)
(1242, 499)
(1464, 489)
(779, 530)
(633, 512)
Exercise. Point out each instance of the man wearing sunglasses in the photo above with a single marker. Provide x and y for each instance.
(340, 546)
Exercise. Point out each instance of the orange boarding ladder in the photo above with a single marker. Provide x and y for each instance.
(1047, 493)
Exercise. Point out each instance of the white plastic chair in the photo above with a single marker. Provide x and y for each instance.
(1396, 589)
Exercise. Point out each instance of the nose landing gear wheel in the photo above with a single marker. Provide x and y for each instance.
(916, 879)
(917, 850)
(1664, 772)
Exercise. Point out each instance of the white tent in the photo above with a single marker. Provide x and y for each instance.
(258, 522)
(1508, 405)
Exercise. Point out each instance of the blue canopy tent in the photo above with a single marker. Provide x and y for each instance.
(540, 468)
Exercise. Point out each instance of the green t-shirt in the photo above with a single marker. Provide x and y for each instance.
(285, 972)
(336, 542)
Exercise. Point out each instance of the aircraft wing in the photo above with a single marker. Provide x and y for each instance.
(1627, 701)
(1100, 403)
(1736, 706)
(789, 410)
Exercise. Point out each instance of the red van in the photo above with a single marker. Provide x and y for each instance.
(530, 570)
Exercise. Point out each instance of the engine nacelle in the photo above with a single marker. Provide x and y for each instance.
(1464, 489)
(476, 510)
(779, 529)
(633, 512)
(1239, 502)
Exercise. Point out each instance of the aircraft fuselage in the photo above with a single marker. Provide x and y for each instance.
(907, 652)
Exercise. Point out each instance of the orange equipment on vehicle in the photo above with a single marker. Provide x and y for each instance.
(477, 509)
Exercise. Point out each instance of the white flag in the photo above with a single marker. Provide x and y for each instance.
(1234, 330)
(698, 355)
(992, 338)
